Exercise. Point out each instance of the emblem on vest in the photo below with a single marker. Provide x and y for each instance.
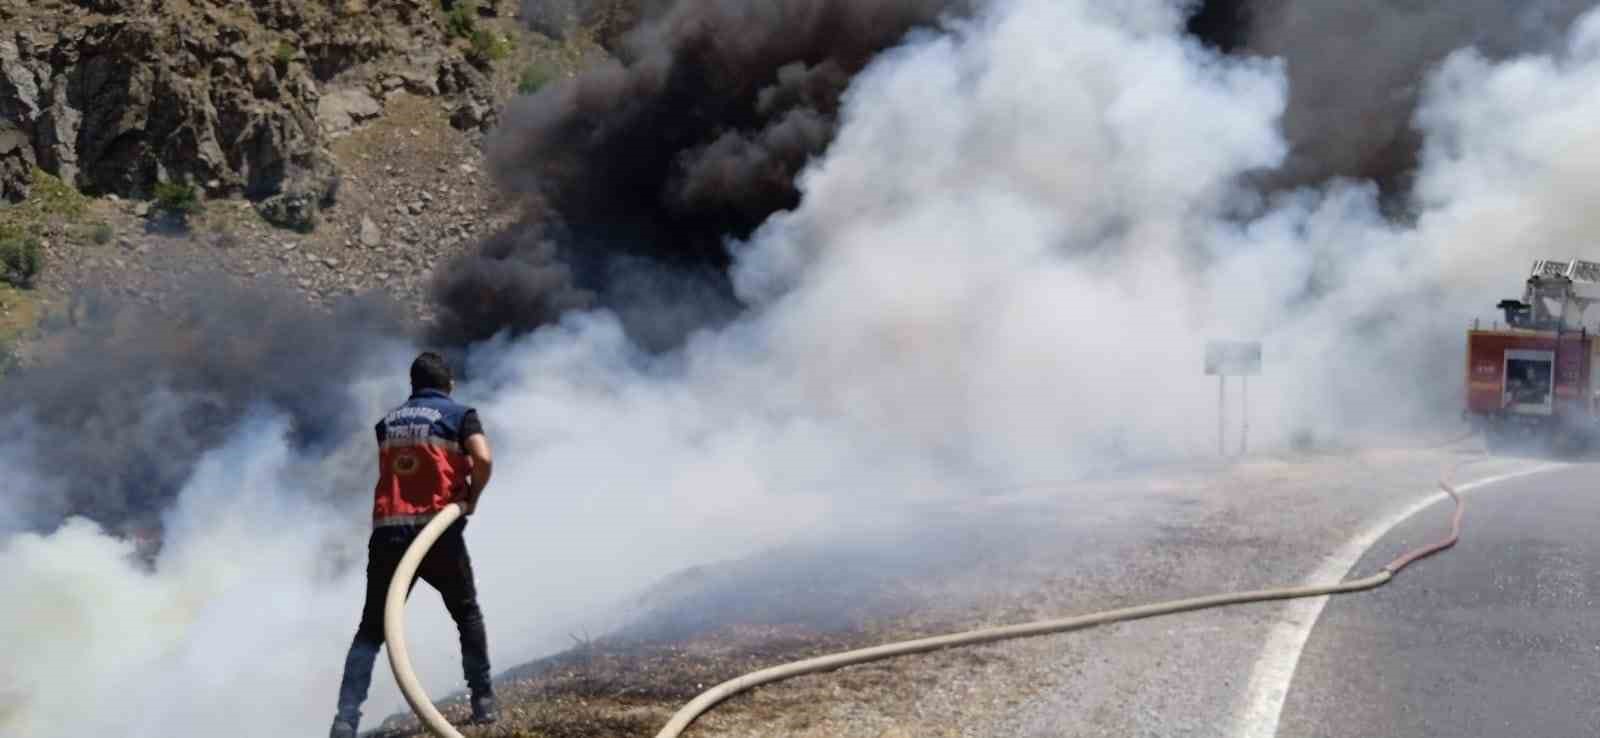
(405, 464)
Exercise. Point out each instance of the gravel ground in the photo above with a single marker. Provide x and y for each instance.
(1045, 552)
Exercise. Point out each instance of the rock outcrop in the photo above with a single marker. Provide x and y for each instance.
(16, 163)
(237, 98)
(342, 110)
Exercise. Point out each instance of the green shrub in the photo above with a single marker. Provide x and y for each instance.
(534, 77)
(21, 259)
(177, 199)
(53, 197)
(285, 52)
(488, 47)
(462, 19)
(103, 233)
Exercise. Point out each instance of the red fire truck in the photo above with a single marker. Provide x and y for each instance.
(1537, 378)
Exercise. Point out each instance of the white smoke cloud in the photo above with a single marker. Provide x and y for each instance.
(1004, 269)
(1512, 160)
(232, 624)
(997, 248)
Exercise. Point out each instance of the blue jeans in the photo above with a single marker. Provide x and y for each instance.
(448, 569)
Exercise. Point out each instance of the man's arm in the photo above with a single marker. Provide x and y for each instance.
(477, 447)
(476, 444)
(382, 432)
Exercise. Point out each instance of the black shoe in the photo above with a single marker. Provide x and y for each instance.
(342, 729)
(484, 709)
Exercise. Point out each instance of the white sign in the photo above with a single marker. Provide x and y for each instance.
(1233, 358)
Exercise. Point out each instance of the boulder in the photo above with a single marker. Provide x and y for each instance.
(472, 114)
(16, 163)
(371, 236)
(341, 111)
(459, 77)
(19, 85)
(418, 82)
(298, 211)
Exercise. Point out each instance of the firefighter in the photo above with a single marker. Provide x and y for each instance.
(431, 452)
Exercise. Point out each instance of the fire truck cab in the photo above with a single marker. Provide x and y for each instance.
(1537, 378)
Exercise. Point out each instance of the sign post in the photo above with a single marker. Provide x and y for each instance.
(1222, 414)
(1237, 359)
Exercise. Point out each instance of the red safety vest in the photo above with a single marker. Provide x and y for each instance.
(422, 466)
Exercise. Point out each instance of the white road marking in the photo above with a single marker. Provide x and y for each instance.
(1274, 670)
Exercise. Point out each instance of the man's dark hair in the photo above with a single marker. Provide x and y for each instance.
(430, 371)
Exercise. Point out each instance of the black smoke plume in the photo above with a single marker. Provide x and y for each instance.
(1356, 69)
(637, 171)
(123, 400)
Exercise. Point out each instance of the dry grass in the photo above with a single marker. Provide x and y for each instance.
(52, 203)
(617, 688)
(627, 689)
(52, 207)
(19, 312)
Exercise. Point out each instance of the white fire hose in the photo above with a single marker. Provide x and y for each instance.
(394, 627)
(394, 622)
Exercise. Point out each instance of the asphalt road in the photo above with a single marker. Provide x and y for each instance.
(1500, 636)
(1502, 614)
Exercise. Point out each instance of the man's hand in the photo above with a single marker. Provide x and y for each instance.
(477, 447)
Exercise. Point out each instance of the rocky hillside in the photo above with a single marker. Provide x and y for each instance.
(331, 146)
(235, 98)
